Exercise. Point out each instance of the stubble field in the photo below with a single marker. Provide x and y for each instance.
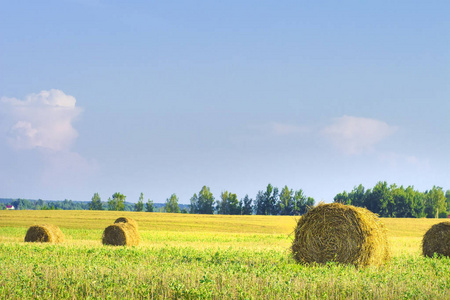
(202, 256)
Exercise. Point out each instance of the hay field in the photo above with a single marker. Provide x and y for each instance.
(202, 256)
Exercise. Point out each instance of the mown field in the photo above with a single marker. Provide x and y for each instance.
(202, 256)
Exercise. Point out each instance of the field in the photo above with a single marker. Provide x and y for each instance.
(202, 256)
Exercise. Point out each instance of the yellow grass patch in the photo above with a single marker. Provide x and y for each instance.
(198, 231)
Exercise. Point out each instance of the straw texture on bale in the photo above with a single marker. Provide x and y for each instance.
(127, 220)
(121, 234)
(131, 222)
(340, 233)
(46, 233)
(437, 240)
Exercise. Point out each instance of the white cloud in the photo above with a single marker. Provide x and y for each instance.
(355, 135)
(42, 120)
(43, 123)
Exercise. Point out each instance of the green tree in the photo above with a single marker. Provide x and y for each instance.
(267, 201)
(149, 206)
(357, 196)
(21, 204)
(172, 204)
(408, 202)
(388, 201)
(228, 205)
(418, 202)
(379, 200)
(435, 202)
(310, 202)
(139, 206)
(300, 203)
(193, 207)
(96, 203)
(67, 204)
(246, 206)
(260, 203)
(342, 198)
(39, 204)
(447, 196)
(117, 202)
(233, 204)
(286, 201)
(221, 205)
(404, 202)
(205, 203)
(274, 202)
(111, 205)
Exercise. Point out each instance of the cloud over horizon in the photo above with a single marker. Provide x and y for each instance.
(42, 120)
(355, 135)
(43, 123)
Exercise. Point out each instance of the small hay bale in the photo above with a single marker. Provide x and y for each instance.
(340, 233)
(127, 220)
(46, 233)
(120, 234)
(437, 240)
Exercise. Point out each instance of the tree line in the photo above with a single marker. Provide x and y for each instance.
(397, 201)
(383, 199)
(29, 204)
(117, 202)
(267, 202)
(26, 204)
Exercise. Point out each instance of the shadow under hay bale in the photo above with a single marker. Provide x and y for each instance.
(46, 233)
(340, 233)
(121, 234)
(437, 240)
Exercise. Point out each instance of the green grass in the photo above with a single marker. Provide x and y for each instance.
(249, 259)
(53, 272)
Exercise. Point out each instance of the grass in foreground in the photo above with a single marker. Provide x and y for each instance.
(53, 272)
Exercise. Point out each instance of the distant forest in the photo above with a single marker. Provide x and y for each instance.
(30, 204)
(383, 199)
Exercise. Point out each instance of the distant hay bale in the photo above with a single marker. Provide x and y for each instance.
(131, 222)
(121, 234)
(127, 220)
(437, 240)
(340, 233)
(46, 233)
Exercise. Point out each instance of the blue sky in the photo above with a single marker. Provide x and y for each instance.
(164, 97)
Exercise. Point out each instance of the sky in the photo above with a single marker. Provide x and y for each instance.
(164, 97)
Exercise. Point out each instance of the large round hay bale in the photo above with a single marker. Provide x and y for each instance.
(340, 233)
(120, 234)
(437, 240)
(127, 220)
(46, 233)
